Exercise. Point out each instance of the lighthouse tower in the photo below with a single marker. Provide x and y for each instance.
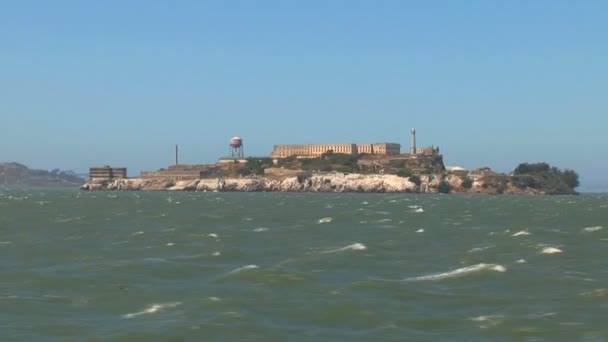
(413, 142)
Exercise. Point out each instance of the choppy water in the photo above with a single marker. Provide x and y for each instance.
(277, 266)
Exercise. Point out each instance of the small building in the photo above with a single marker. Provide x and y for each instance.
(107, 172)
(429, 151)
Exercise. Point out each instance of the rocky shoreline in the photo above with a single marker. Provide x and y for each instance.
(336, 182)
(328, 182)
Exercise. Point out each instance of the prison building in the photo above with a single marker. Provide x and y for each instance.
(316, 150)
(107, 172)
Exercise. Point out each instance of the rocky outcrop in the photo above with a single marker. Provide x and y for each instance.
(481, 181)
(333, 182)
(486, 181)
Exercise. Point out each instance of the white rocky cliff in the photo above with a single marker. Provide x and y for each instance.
(332, 182)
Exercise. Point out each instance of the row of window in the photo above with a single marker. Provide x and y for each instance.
(319, 149)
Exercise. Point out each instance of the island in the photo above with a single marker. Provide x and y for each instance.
(330, 175)
(342, 167)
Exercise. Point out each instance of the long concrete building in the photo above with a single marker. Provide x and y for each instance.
(316, 150)
(107, 172)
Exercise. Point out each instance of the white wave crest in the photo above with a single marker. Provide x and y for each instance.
(154, 308)
(601, 292)
(243, 268)
(487, 318)
(213, 235)
(521, 233)
(325, 220)
(480, 249)
(460, 272)
(551, 250)
(260, 229)
(420, 230)
(592, 229)
(419, 210)
(488, 321)
(354, 247)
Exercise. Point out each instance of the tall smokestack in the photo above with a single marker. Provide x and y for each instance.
(413, 143)
(176, 155)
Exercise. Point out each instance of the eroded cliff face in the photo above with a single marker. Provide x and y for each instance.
(481, 181)
(334, 182)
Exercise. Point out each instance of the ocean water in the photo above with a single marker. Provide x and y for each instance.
(164, 266)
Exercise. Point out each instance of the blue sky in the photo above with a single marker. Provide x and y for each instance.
(492, 83)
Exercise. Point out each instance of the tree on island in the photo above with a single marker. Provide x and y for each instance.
(570, 177)
(542, 175)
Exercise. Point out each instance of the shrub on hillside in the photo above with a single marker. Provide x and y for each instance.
(467, 183)
(404, 172)
(444, 188)
(415, 179)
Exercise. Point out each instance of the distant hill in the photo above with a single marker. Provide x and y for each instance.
(15, 174)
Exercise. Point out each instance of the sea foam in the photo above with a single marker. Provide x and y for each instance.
(592, 229)
(325, 220)
(601, 292)
(154, 308)
(243, 268)
(459, 272)
(354, 247)
(488, 321)
(480, 249)
(521, 233)
(550, 250)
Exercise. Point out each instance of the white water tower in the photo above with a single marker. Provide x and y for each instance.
(236, 147)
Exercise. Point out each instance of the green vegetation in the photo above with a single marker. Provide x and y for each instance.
(254, 166)
(361, 163)
(286, 161)
(444, 188)
(525, 181)
(331, 162)
(498, 182)
(467, 183)
(401, 168)
(404, 172)
(415, 179)
(529, 169)
(543, 176)
(570, 177)
(398, 163)
(15, 174)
